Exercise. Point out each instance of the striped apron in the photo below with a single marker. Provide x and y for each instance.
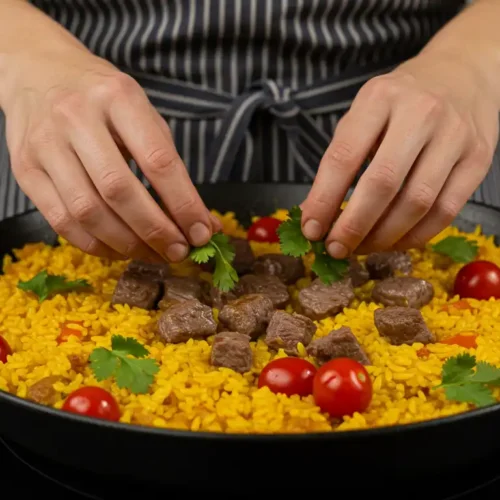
(251, 89)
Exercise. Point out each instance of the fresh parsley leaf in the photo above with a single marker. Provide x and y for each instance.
(326, 267)
(461, 383)
(292, 241)
(133, 374)
(44, 285)
(219, 247)
(476, 394)
(458, 248)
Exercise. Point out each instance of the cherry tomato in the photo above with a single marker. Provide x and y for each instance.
(67, 331)
(478, 280)
(264, 230)
(288, 376)
(92, 402)
(5, 350)
(341, 387)
(467, 341)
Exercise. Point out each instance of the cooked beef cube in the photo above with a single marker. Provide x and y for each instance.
(213, 297)
(185, 320)
(404, 291)
(179, 289)
(264, 285)
(232, 350)
(318, 301)
(153, 272)
(287, 330)
(382, 265)
(43, 391)
(136, 291)
(78, 363)
(243, 257)
(357, 272)
(339, 343)
(402, 325)
(287, 268)
(248, 315)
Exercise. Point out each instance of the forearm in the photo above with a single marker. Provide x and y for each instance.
(23, 30)
(474, 36)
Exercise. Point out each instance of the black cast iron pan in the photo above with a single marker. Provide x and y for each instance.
(246, 463)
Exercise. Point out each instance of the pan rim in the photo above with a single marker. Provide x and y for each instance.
(377, 432)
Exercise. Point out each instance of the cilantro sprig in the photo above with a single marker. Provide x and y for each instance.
(457, 248)
(133, 374)
(44, 285)
(294, 243)
(462, 383)
(220, 249)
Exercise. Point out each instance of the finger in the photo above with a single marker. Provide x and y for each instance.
(38, 186)
(354, 137)
(461, 184)
(154, 151)
(216, 223)
(87, 207)
(421, 190)
(123, 192)
(379, 184)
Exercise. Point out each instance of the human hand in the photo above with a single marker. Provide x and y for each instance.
(433, 124)
(71, 119)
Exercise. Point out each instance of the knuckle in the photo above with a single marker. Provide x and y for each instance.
(132, 248)
(93, 247)
(430, 105)
(60, 221)
(184, 205)
(351, 230)
(482, 152)
(84, 209)
(448, 210)
(379, 87)
(40, 136)
(67, 106)
(161, 161)
(114, 186)
(341, 155)
(421, 197)
(384, 178)
(155, 233)
(114, 86)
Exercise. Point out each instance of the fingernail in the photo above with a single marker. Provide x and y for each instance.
(312, 229)
(199, 234)
(177, 252)
(337, 250)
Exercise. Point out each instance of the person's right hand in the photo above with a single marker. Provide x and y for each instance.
(72, 118)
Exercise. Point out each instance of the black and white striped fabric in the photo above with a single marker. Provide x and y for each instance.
(252, 89)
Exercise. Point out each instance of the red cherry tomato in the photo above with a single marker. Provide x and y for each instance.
(478, 280)
(92, 402)
(67, 331)
(341, 387)
(5, 350)
(288, 376)
(264, 230)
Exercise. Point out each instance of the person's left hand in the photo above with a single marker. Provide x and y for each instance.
(433, 124)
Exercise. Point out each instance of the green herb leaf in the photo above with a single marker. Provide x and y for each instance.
(462, 383)
(292, 241)
(458, 248)
(44, 285)
(219, 247)
(326, 267)
(133, 374)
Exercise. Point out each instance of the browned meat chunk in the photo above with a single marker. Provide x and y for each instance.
(136, 291)
(402, 325)
(179, 289)
(265, 285)
(43, 391)
(318, 301)
(287, 330)
(382, 265)
(213, 297)
(78, 363)
(405, 291)
(185, 320)
(358, 273)
(249, 314)
(287, 268)
(232, 350)
(151, 272)
(243, 257)
(339, 343)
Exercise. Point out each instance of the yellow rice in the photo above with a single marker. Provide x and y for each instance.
(188, 393)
